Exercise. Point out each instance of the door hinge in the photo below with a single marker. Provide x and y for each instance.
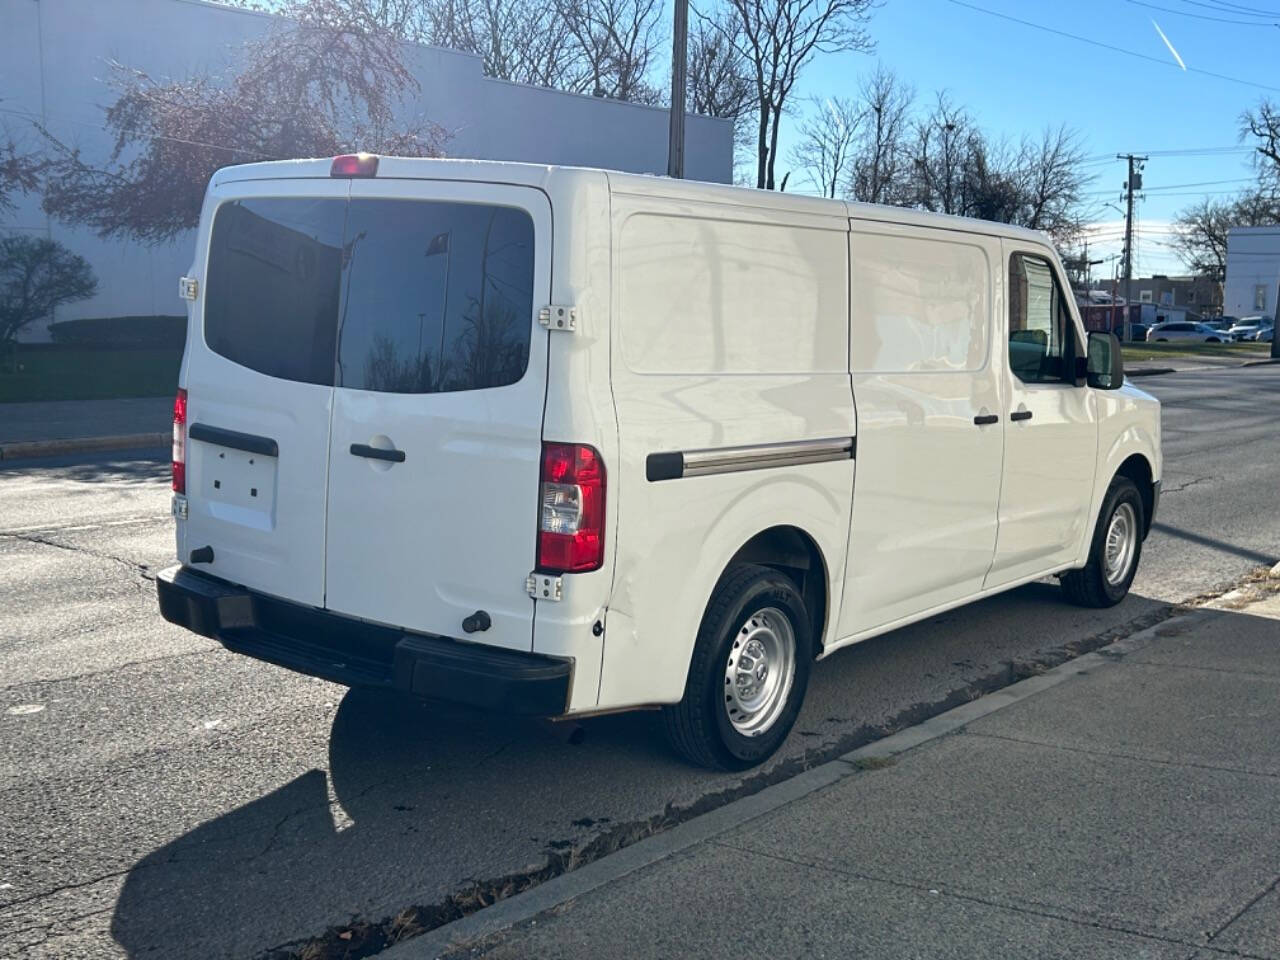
(542, 586)
(188, 287)
(559, 317)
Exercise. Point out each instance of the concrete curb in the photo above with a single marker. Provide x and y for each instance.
(569, 886)
(26, 449)
(1149, 371)
(1260, 363)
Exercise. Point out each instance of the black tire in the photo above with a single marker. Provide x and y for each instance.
(1162, 339)
(1213, 340)
(1089, 586)
(699, 727)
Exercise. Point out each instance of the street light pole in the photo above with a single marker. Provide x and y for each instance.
(679, 42)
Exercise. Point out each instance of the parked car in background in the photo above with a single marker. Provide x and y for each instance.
(1266, 334)
(1248, 328)
(1184, 330)
(1137, 331)
(1220, 324)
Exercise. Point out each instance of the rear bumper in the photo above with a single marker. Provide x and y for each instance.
(357, 653)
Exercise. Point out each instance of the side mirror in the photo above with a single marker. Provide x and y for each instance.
(1104, 368)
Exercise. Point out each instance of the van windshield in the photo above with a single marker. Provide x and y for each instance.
(400, 296)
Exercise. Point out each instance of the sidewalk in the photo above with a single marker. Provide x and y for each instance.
(37, 428)
(1126, 804)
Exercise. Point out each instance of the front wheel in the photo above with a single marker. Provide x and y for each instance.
(1115, 551)
(749, 672)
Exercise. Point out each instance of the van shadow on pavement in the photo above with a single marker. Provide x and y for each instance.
(421, 801)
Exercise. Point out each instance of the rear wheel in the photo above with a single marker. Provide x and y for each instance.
(749, 672)
(1115, 551)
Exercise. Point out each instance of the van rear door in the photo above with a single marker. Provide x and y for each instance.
(259, 381)
(437, 418)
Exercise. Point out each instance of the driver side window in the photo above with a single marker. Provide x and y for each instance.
(1041, 337)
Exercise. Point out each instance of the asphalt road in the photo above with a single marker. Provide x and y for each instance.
(164, 798)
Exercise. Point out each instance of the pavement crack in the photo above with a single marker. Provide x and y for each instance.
(1166, 491)
(1120, 755)
(1245, 909)
(139, 569)
(66, 887)
(213, 648)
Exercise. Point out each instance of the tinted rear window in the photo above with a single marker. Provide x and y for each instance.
(275, 267)
(398, 296)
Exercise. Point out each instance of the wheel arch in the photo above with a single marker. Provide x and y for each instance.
(1138, 469)
(792, 551)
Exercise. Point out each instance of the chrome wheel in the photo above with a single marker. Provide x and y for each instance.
(1120, 545)
(759, 671)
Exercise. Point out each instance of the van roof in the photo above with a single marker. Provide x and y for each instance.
(561, 177)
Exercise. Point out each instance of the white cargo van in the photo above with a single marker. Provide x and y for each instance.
(559, 441)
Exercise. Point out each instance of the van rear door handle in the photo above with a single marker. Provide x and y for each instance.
(1020, 415)
(985, 419)
(376, 453)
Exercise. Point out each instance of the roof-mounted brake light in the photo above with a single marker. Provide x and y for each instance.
(354, 165)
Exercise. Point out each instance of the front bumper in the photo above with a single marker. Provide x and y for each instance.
(357, 653)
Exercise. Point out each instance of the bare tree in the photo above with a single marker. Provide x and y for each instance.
(325, 80)
(778, 38)
(617, 40)
(943, 141)
(879, 161)
(1262, 124)
(524, 41)
(825, 149)
(1051, 180)
(719, 83)
(1201, 237)
(36, 275)
(1201, 229)
(990, 187)
(20, 172)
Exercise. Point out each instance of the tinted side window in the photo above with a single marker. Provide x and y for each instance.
(1041, 343)
(439, 296)
(275, 268)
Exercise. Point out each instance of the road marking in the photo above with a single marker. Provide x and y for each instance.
(25, 709)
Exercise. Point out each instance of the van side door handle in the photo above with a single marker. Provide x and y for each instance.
(374, 453)
(985, 419)
(1020, 415)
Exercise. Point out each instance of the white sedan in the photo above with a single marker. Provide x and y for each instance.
(1184, 330)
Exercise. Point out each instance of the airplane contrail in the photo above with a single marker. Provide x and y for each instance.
(1168, 44)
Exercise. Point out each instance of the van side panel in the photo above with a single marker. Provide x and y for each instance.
(579, 409)
(925, 361)
(730, 332)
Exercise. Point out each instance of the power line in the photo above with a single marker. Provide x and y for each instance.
(1114, 49)
(1224, 5)
(1202, 16)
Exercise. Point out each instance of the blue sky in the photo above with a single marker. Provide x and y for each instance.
(1015, 79)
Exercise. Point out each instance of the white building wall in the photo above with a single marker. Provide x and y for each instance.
(1253, 271)
(55, 58)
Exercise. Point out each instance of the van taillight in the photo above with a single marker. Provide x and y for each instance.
(571, 522)
(180, 442)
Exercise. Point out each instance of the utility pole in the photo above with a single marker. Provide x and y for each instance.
(1132, 182)
(679, 58)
